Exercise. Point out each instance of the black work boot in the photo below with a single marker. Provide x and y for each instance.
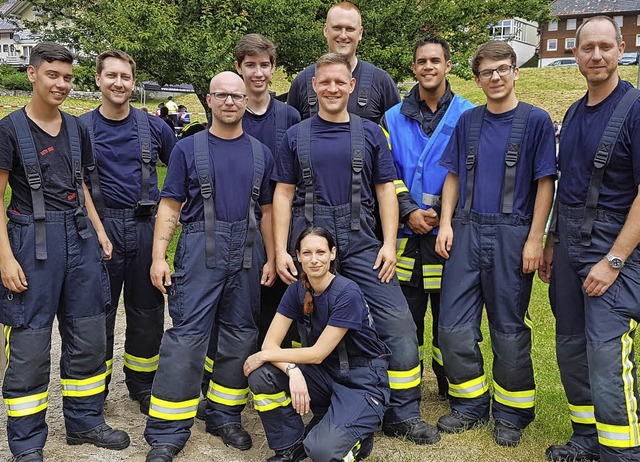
(161, 453)
(102, 436)
(293, 453)
(454, 422)
(233, 435)
(415, 430)
(31, 456)
(570, 452)
(506, 434)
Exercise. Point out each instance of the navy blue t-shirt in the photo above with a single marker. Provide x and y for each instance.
(579, 142)
(231, 162)
(350, 311)
(117, 151)
(536, 160)
(383, 94)
(54, 154)
(263, 126)
(330, 155)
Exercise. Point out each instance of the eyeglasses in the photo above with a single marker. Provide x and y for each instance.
(222, 96)
(502, 71)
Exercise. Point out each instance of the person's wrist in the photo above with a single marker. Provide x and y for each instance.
(291, 367)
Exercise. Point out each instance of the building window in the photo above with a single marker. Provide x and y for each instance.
(638, 21)
(26, 51)
(552, 45)
(619, 20)
(553, 25)
(638, 40)
(5, 48)
(503, 30)
(571, 24)
(569, 43)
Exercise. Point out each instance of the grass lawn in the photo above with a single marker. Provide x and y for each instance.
(553, 90)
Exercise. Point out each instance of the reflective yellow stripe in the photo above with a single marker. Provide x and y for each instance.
(353, 452)
(7, 336)
(436, 354)
(519, 399)
(471, 389)
(400, 186)
(266, 402)
(402, 274)
(628, 378)
(404, 265)
(431, 271)
(208, 364)
(138, 364)
(27, 405)
(386, 134)
(582, 414)
(295, 344)
(401, 380)
(528, 321)
(83, 387)
(227, 396)
(405, 262)
(167, 410)
(616, 436)
(431, 284)
(109, 364)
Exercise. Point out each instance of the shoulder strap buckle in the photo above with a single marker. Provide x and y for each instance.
(511, 157)
(205, 187)
(471, 158)
(357, 161)
(34, 179)
(602, 156)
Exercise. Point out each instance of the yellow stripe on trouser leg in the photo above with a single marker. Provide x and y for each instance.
(401, 380)
(582, 414)
(227, 396)
(208, 364)
(84, 387)
(616, 436)
(524, 399)
(109, 364)
(264, 402)
(167, 410)
(436, 355)
(139, 364)
(470, 389)
(629, 385)
(7, 336)
(353, 452)
(27, 405)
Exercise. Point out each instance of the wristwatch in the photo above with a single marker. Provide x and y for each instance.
(289, 367)
(614, 261)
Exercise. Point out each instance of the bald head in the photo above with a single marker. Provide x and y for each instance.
(227, 79)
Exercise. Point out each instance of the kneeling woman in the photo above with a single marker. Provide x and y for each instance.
(340, 374)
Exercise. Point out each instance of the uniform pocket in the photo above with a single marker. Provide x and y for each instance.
(11, 308)
(176, 296)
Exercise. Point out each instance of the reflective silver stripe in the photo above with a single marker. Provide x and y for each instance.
(582, 415)
(228, 396)
(404, 379)
(431, 199)
(28, 405)
(172, 410)
(267, 401)
(528, 399)
(142, 365)
(613, 435)
(90, 386)
(466, 391)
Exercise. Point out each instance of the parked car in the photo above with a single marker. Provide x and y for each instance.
(628, 59)
(563, 62)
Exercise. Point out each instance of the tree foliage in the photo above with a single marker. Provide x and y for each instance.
(188, 41)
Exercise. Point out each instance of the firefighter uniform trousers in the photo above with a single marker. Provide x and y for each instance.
(227, 295)
(72, 284)
(351, 404)
(485, 268)
(357, 252)
(594, 337)
(132, 239)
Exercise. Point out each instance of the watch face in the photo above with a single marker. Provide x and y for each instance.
(615, 262)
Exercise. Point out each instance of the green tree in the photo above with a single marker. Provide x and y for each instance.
(188, 41)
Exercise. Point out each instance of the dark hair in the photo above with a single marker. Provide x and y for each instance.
(164, 111)
(435, 39)
(333, 58)
(495, 50)
(320, 232)
(118, 54)
(252, 45)
(49, 52)
(608, 19)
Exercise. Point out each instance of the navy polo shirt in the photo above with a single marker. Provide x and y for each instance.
(350, 311)
(579, 142)
(117, 151)
(330, 155)
(263, 126)
(231, 163)
(536, 160)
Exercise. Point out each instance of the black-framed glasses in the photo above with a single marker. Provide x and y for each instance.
(222, 96)
(502, 71)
